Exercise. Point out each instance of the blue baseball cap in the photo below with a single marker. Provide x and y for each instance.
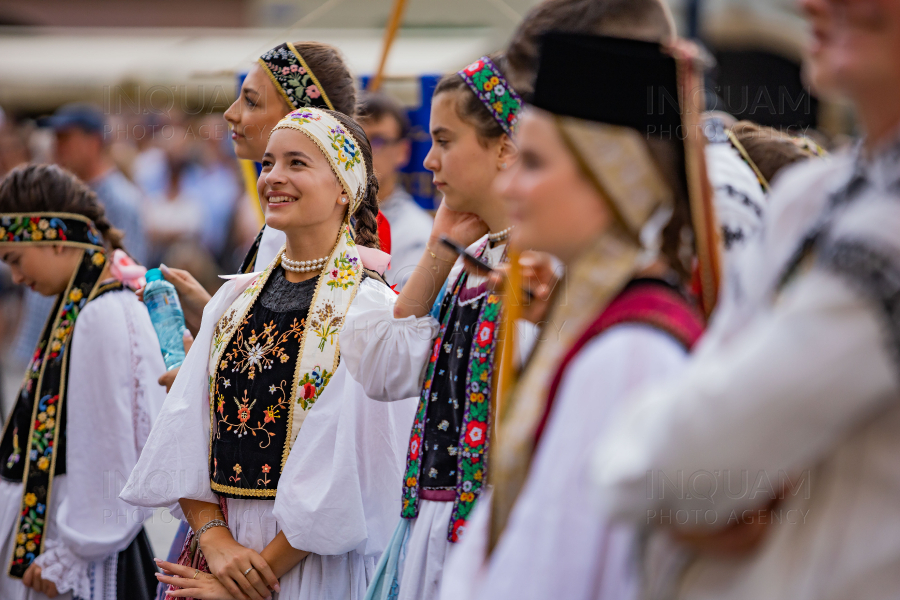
(87, 117)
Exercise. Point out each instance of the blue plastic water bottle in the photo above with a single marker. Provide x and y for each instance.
(167, 317)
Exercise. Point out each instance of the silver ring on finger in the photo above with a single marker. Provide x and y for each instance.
(248, 570)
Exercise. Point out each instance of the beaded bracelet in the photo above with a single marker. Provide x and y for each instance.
(210, 525)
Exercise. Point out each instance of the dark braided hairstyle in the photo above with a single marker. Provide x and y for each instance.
(49, 188)
(366, 226)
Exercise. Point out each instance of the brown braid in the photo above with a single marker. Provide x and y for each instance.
(49, 188)
(366, 224)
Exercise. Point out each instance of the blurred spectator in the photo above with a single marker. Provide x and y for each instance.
(208, 178)
(13, 145)
(213, 180)
(80, 148)
(173, 216)
(387, 127)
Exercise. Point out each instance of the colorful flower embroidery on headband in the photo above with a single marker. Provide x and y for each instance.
(293, 78)
(337, 144)
(504, 104)
(49, 228)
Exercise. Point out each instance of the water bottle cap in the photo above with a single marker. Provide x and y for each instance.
(153, 275)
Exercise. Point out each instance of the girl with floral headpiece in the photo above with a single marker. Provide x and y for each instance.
(599, 188)
(283, 466)
(85, 407)
(285, 78)
(473, 119)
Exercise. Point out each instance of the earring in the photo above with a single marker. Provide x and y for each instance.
(344, 199)
(503, 166)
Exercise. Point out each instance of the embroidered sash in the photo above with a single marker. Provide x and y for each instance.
(33, 446)
(474, 440)
(315, 364)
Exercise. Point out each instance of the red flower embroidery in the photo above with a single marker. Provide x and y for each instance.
(266, 468)
(485, 334)
(475, 433)
(415, 444)
(459, 528)
(309, 390)
(313, 92)
(474, 67)
(437, 349)
(243, 413)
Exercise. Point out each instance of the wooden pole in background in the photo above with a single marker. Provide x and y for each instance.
(390, 33)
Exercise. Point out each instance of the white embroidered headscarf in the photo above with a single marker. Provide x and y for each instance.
(337, 144)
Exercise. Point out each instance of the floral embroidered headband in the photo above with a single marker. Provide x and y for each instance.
(44, 228)
(293, 78)
(337, 144)
(486, 81)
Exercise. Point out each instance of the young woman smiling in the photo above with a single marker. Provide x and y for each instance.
(285, 78)
(277, 458)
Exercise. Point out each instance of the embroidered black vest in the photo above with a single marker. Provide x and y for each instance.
(252, 392)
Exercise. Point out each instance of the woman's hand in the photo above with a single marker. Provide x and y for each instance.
(193, 583)
(228, 561)
(32, 579)
(168, 378)
(462, 227)
(538, 280)
(192, 295)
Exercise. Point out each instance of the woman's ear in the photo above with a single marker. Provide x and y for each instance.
(508, 153)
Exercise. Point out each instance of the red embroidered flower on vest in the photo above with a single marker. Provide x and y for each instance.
(485, 334)
(415, 444)
(475, 433)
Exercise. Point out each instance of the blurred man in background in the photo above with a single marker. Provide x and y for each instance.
(387, 127)
(82, 149)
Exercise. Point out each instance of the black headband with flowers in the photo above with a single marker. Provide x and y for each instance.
(67, 229)
(486, 81)
(293, 78)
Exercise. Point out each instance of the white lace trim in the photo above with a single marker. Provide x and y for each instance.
(67, 570)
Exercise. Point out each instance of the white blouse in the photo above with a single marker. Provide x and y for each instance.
(555, 545)
(793, 393)
(113, 398)
(338, 496)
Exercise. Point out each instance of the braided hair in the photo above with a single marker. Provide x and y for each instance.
(366, 226)
(49, 188)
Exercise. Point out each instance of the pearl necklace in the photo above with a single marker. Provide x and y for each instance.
(303, 266)
(500, 235)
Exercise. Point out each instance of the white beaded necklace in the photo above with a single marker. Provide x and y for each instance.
(303, 266)
(500, 235)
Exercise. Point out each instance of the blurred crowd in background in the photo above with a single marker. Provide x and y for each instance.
(169, 177)
(172, 191)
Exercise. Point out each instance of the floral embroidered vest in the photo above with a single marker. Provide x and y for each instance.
(448, 446)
